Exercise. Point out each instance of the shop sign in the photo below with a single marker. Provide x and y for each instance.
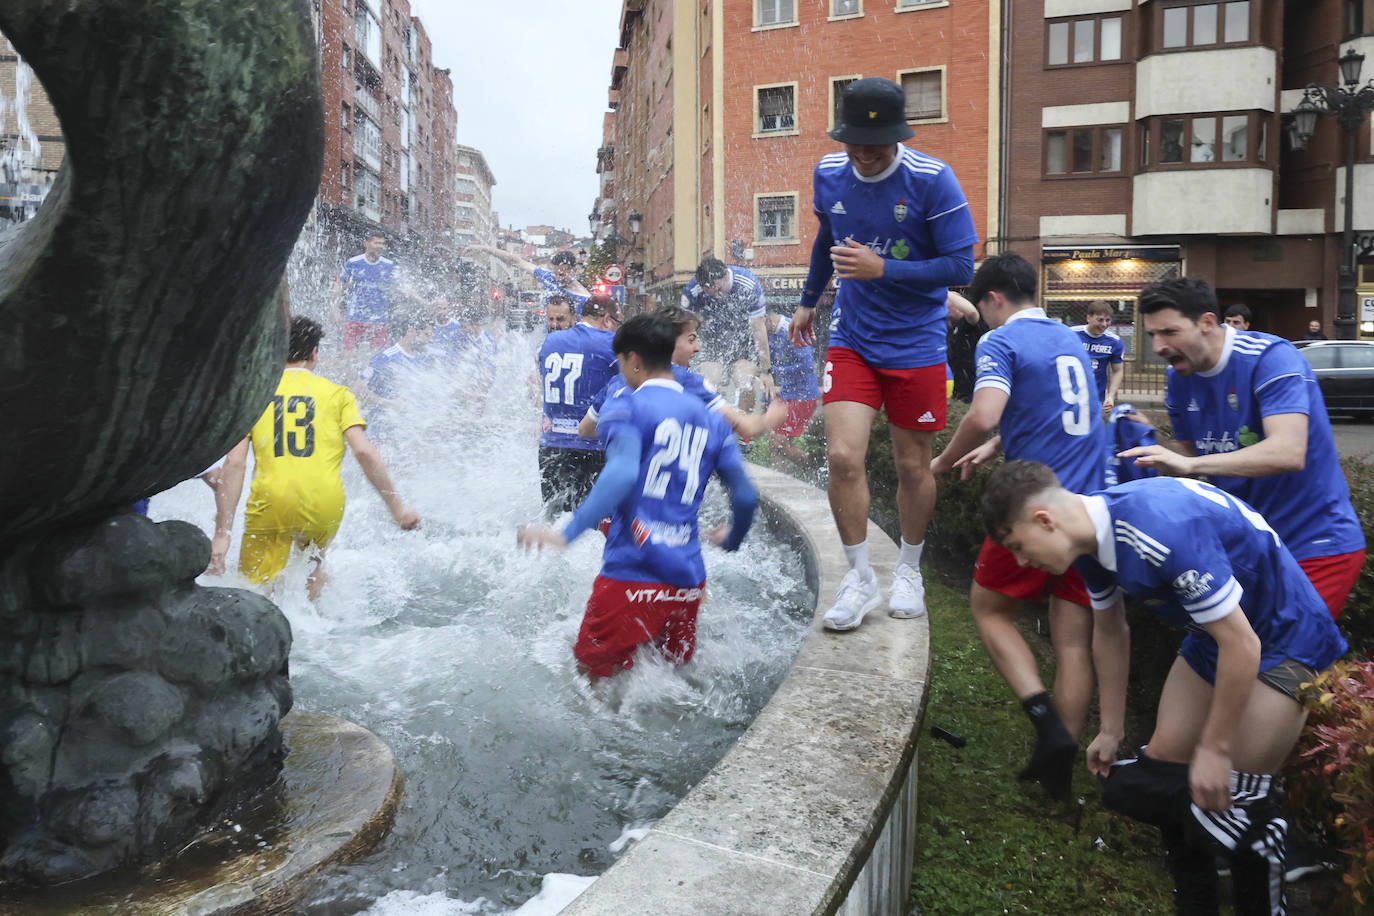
(1367, 308)
(1112, 253)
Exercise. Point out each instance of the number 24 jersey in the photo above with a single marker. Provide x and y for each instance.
(653, 533)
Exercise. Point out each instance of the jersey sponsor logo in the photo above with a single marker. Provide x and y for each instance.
(665, 533)
(986, 364)
(839, 208)
(1247, 437)
(901, 249)
(1193, 407)
(1192, 585)
(648, 595)
(1212, 444)
(926, 417)
(899, 212)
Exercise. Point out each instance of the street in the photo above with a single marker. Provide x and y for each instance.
(1354, 438)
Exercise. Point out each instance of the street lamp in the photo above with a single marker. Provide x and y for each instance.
(594, 222)
(1350, 106)
(636, 220)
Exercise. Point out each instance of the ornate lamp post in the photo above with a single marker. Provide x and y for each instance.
(1351, 104)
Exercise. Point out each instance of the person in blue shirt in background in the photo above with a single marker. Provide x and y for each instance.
(798, 389)
(729, 300)
(895, 228)
(573, 366)
(391, 374)
(556, 281)
(1105, 351)
(368, 280)
(1034, 386)
(1229, 714)
(1248, 414)
(662, 445)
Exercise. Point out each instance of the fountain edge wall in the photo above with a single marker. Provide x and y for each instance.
(813, 809)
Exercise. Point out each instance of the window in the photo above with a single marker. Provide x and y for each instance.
(776, 12)
(846, 7)
(344, 173)
(775, 104)
(777, 218)
(1083, 40)
(1203, 25)
(837, 85)
(913, 4)
(346, 59)
(925, 94)
(1205, 139)
(1083, 150)
(347, 123)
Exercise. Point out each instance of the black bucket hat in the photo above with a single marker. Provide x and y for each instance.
(872, 113)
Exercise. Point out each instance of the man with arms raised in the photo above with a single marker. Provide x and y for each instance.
(731, 305)
(1247, 413)
(1034, 384)
(662, 445)
(1228, 715)
(896, 229)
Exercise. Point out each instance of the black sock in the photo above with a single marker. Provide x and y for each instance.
(1051, 763)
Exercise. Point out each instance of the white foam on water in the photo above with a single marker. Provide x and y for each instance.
(556, 892)
(629, 835)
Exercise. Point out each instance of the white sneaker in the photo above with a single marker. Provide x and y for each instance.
(908, 596)
(856, 597)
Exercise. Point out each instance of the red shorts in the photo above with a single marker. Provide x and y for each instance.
(621, 616)
(998, 571)
(1334, 577)
(354, 331)
(914, 398)
(798, 415)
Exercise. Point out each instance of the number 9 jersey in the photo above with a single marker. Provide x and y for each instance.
(298, 446)
(1053, 413)
(653, 533)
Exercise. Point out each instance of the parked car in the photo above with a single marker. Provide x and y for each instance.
(1345, 372)
(525, 311)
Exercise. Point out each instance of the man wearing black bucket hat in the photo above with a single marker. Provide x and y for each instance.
(895, 229)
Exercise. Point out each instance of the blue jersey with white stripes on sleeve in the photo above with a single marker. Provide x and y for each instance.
(368, 284)
(727, 316)
(691, 383)
(1193, 553)
(549, 281)
(1223, 409)
(1103, 350)
(1053, 414)
(574, 365)
(794, 368)
(653, 533)
(914, 210)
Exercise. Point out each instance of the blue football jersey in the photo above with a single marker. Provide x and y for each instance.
(574, 365)
(727, 317)
(794, 368)
(913, 211)
(691, 383)
(653, 533)
(1191, 553)
(368, 285)
(1122, 434)
(389, 372)
(1053, 414)
(1260, 375)
(1102, 350)
(549, 281)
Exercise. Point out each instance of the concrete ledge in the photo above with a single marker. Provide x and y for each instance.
(813, 809)
(337, 796)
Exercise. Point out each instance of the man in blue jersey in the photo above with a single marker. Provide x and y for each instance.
(1105, 351)
(799, 390)
(1248, 414)
(573, 366)
(556, 281)
(1229, 713)
(367, 280)
(687, 345)
(1035, 386)
(896, 229)
(730, 303)
(391, 374)
(558, 313)
(662, 445)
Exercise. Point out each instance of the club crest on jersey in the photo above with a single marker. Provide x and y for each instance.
(639, 531)
(900, 211)
(1232, 401)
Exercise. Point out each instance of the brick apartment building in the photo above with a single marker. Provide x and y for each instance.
(721, 109)
(31, 152)
(1147, 140)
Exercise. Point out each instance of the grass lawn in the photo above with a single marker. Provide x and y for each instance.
(988, 844)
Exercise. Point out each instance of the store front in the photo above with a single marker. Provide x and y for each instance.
(1073, 277)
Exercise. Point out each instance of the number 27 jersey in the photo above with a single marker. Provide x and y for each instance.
(653, 533)
(1053, 413)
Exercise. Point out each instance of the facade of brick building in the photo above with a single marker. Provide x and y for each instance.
(31, 151)
(1148, 141)
(722, 107)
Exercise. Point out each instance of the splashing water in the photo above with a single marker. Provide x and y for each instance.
(22, 157)
(523, 780)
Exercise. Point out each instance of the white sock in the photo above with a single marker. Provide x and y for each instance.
(911, 554)
(857, 555)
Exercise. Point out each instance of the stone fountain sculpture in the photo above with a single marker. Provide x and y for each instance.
(141, 333)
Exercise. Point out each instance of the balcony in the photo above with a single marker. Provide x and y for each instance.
(1235, 201)
(620, 62)
(1221, 79)
(366, 102)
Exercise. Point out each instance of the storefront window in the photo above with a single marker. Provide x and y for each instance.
(1071, 284)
